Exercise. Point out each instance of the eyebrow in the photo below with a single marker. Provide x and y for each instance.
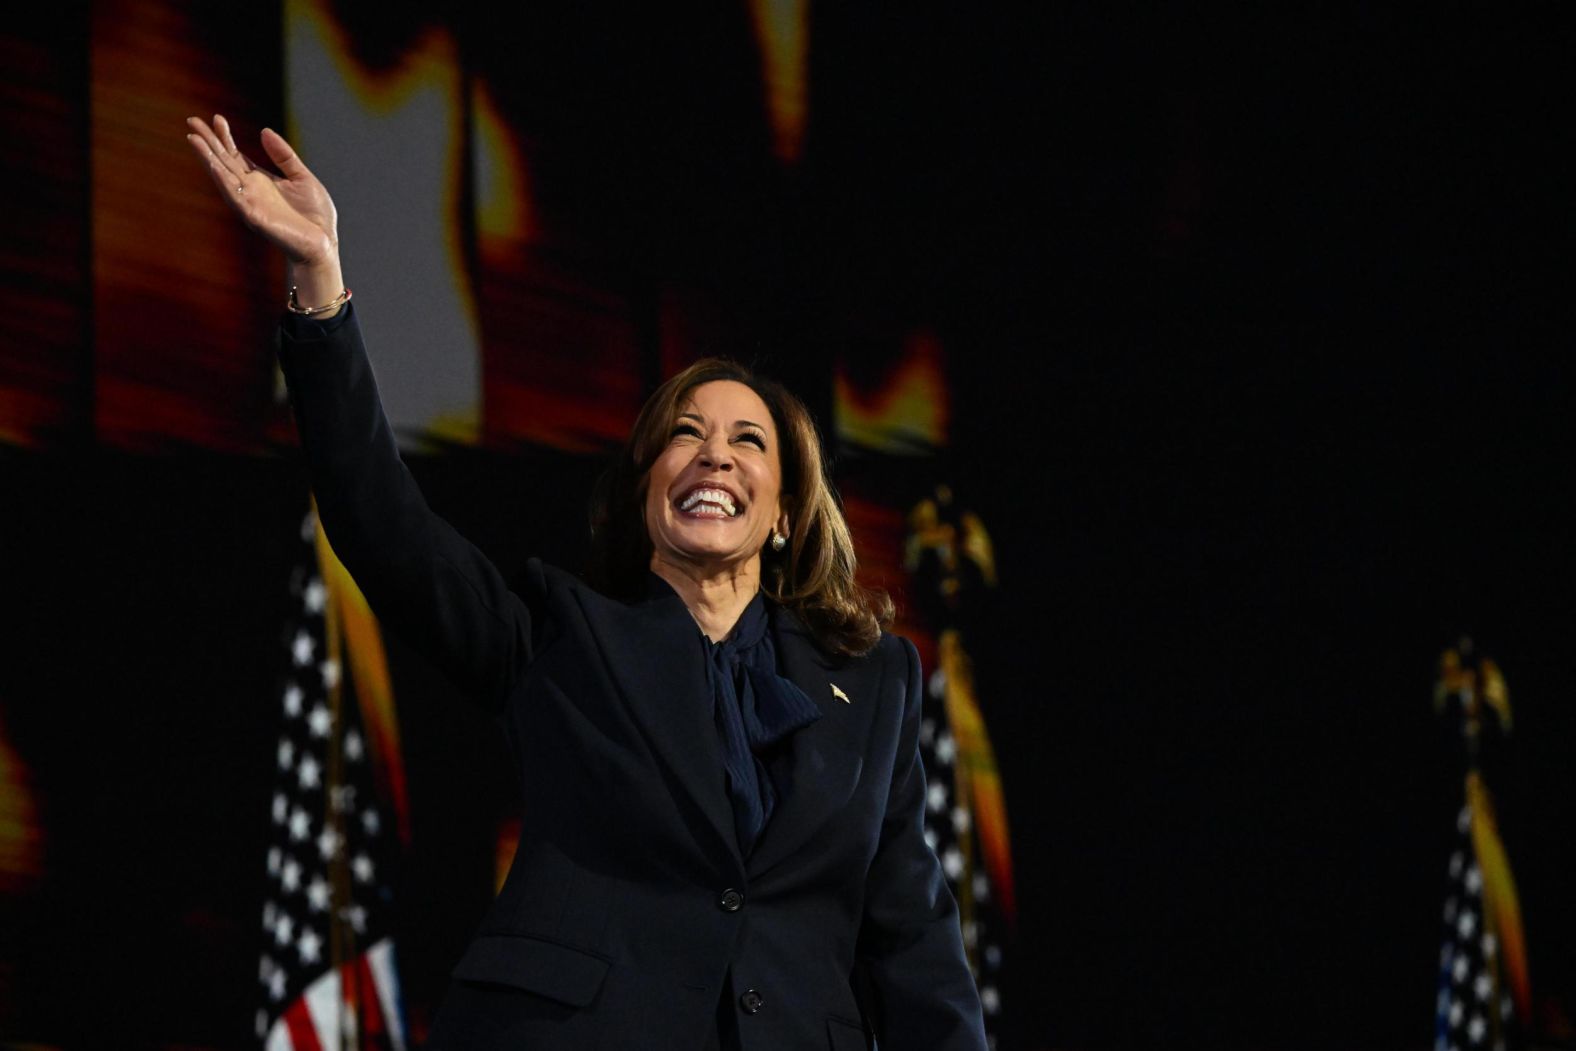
(736, 423)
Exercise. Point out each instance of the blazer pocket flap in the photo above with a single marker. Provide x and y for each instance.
(846, 1036)
(569, 976)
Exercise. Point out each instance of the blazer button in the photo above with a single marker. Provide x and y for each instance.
(731, 901)
(751, 1001)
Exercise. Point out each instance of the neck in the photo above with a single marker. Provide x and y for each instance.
(715, 598)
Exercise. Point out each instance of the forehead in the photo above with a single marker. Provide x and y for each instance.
(726, 402)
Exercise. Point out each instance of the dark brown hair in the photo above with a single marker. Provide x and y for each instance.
(814, 575)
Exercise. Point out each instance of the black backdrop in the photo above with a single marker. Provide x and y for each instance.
(1258, 381)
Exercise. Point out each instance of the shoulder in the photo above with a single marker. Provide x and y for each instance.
(907, 654)
(554, 588)
(896, 648)
(897, 658)
(546, 583)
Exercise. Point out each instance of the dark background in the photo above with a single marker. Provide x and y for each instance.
(1257, 339)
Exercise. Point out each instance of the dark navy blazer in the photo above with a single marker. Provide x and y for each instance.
(628, 902)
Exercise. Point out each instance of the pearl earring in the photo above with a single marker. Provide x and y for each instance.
(778, 541)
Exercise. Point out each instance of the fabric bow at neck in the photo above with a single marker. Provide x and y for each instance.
(755, 709)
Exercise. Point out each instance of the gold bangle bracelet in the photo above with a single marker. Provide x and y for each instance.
(294, 306)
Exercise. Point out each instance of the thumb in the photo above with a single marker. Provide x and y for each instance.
(282, 155)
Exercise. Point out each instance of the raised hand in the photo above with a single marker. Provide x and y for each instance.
(291, 209)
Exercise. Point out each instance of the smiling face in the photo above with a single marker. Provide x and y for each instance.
(714, 493)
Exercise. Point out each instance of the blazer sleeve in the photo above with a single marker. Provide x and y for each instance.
(910, 949)
(424, 580)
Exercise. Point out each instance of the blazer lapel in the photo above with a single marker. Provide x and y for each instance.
(654, 652)
(825, 757)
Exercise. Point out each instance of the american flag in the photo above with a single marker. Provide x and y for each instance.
(1474, 1008)
(1484, 995)
(952, 564)
(326, 970)
(951, 829)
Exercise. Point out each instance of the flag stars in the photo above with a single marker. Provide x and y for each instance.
(952, 863)
(314, 595)
(1457, 1012)
(981, 887)
(309, 945)
(1489, 944)
(290, 876)
(300, 825)
(363, 868)
(1476, 1028)
(1474, 880)
(328, 844)
(275, 856)
(281, 808)
(276, 985)
(1483, 987)
(293, 698)
(960, 820)
(354, 749)
(302, 648)
(329, 669)
(1466, 923)
(990, 999)
(936, 797)
(356, 916)
(946, 748)
(309, 772)
(927, 731)
(343, 798)
(370, 822)
(286, 753)
(317, 894)
(284, 929)
(1459, 971)
(319, 721)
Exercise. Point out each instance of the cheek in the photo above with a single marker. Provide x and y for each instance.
(651, 508)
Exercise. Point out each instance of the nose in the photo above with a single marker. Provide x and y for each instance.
(716, 452)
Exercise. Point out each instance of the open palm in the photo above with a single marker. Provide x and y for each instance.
(291, 209)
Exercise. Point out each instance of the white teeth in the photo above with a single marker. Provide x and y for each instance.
(716, 497)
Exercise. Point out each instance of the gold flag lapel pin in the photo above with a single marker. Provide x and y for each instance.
(840, 695)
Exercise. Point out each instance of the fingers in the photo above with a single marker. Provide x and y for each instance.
(225, 168)
(222, 126)
(282, 155)
(230, 188)
(213, 150)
